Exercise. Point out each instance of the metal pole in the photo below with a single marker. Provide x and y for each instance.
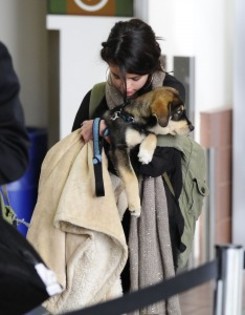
(211, 213)
(228, 294)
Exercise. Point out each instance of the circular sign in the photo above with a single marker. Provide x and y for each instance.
(91, 7)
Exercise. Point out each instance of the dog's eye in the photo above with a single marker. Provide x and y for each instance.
(178, 113)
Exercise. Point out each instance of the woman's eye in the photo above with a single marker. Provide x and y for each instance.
(136, 78)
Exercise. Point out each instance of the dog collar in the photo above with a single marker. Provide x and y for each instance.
(126, 117)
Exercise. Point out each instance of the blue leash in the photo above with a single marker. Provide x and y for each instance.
(97, 149)
(97, 159)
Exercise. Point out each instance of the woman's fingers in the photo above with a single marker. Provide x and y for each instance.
(87, 130)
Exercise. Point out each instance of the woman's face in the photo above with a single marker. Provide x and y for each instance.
(134, 82)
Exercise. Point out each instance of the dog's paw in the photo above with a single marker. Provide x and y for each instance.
(145, 156)
(135, 207)
(135, 213)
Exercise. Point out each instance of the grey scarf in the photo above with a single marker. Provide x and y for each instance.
(150, 253)
(114, 97)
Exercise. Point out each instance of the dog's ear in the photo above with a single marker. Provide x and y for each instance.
(161, 106)
(161, 110)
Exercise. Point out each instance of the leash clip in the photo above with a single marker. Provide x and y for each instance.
(116, 115)
(126, 117)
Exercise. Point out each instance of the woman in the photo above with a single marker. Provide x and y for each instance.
(133, 56)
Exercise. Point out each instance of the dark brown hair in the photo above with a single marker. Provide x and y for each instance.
(133, 47)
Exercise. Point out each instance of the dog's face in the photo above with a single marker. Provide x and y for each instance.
(166, 105)
(178, 123)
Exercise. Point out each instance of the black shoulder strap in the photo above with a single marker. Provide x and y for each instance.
(97, 94)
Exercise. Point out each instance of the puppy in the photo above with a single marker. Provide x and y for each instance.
(158, 112)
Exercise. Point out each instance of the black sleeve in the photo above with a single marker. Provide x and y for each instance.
(82, 113)
(165, 159)
(174, 83)
(14, 140)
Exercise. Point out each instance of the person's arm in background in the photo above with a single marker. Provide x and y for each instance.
(14, 140)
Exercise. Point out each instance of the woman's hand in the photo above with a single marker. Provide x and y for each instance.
(87, 130)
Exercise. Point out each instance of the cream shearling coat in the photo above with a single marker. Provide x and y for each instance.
(79, 235)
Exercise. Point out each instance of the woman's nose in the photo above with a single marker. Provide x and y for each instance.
(129, 86)
(128, 83)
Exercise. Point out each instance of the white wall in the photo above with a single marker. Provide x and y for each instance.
(80, 65)
(239, 126)
(22, 29)
(190, 28)
(141, 9)
(200, 29)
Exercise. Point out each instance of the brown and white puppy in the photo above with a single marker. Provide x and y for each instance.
(158, 112)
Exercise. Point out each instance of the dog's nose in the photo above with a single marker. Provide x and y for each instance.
(191, 127)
